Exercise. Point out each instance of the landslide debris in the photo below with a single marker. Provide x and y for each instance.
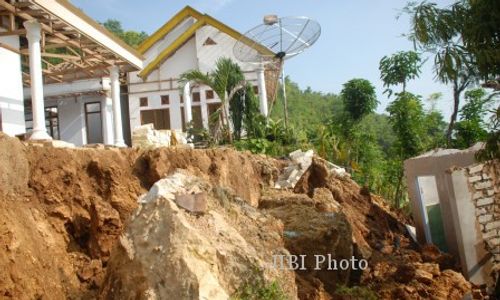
(63, 210)
(66, 214)
(166, 252)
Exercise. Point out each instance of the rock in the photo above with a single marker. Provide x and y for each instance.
(324, 200)
(195, 203)
(105, 228)
(167, 253)
(423, 276)
(299, 163)
(404, 273)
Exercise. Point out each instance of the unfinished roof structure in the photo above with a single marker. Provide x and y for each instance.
(73, 46)
(46, 42)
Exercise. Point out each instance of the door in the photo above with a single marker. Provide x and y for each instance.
(93, 122)
(431, 210)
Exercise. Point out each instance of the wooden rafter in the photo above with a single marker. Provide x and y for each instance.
(55, 35)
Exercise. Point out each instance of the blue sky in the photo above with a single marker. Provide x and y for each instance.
(356, 34)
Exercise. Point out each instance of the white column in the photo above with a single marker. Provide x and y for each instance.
(117, 109)
(261, 78)
(187, 103)
(33, 34)
(107, 119)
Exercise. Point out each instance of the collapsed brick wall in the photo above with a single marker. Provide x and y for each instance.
(484, 182)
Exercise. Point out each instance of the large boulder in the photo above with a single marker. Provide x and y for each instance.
(168, 252)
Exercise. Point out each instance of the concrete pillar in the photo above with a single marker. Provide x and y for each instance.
(117, 109)
(107, 119)
(261, 78)
(187, 103)
(33, 34)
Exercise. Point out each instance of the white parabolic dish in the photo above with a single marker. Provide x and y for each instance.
(284, 39)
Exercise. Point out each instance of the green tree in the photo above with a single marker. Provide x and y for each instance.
(359, 98)
(244, 111)
(472, 128)
(463, 38)
(407, 118)
(132, 38)
(226, 80)
(399, 68)
(406, 113)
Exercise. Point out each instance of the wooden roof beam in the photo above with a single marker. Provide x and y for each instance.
(48, 29)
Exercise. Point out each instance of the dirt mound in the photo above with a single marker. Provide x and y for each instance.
(361, 226)
(243, 173)
(168, 253)
(12, 157)
(62, 212)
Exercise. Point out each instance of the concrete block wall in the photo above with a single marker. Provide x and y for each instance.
(484, 183)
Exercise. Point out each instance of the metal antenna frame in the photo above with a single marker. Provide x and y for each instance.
(265, 35)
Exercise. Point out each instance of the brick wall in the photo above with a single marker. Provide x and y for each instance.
(484, 182)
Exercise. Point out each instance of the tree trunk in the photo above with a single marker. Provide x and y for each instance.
(397, 198)
(453, 119)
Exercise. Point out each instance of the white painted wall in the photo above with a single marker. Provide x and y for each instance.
(163, 81)
(209, 54)
(11, 88)
(72, 117)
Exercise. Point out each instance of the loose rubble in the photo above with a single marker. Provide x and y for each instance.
(147, 137)
(98, 222)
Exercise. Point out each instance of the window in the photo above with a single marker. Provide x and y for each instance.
(209, 94)
(51, 120)
(181, 98)
(93, 122)
(196, 97)
(160, 118)
(255, 89)
(165, 100)
(143, 101)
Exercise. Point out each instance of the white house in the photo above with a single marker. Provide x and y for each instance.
(70, 68)
(60, 73)
(189, 40)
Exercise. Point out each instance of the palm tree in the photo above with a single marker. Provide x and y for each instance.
(225, 80)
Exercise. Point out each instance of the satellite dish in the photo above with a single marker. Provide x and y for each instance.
(276, 40)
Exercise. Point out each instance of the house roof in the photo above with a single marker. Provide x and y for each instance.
(201, 20)
(90, 48)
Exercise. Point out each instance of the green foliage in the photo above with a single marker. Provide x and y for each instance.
(307, 109)
(132, 38)
(462, 36)
(273, 138)
(471, 127)
(359, 98)
(399, 68)
(226, 80)
(356, 292)
(244, 110)
(407, 116)
(491, 149)
(260, 290)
